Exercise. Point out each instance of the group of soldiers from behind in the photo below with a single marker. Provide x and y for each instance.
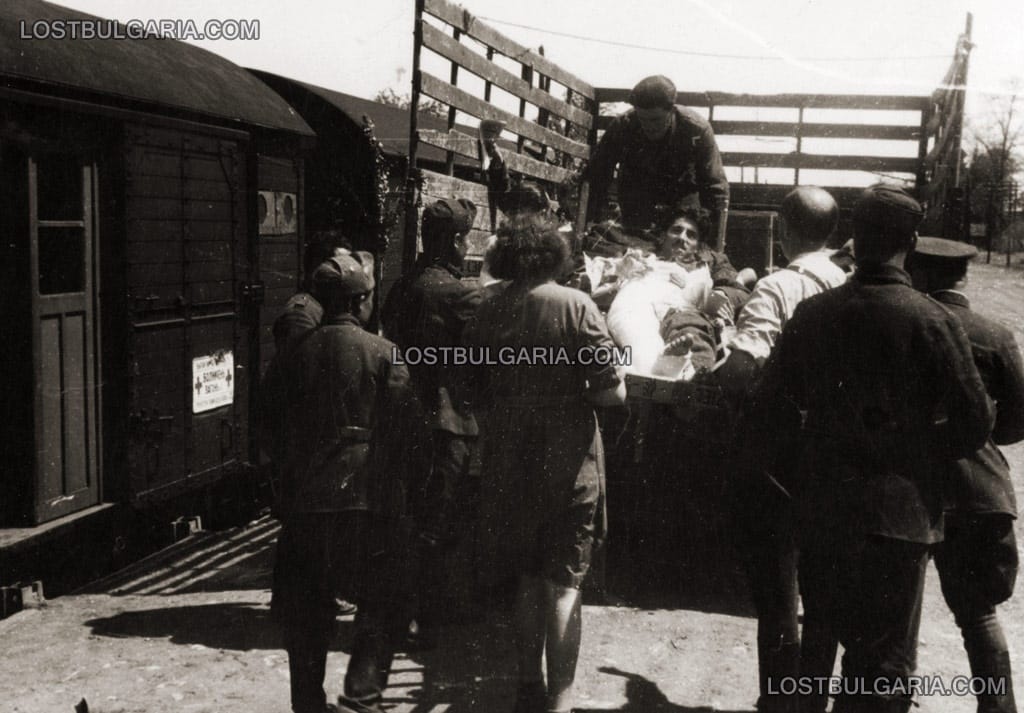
(867, 443)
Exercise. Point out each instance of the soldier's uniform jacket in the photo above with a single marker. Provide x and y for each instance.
(429, 308)
(881, 391)
(340, 409)
(982, 482)
(301, 313)
(682, 169)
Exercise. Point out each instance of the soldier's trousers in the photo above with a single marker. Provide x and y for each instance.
(769, 557)
(351, 554)
(977, 566)
(869, 589)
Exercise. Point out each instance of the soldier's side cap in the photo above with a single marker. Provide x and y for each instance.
(657, 92)
(941, 249)
(888, 207)
(350, 274)
(454, 213)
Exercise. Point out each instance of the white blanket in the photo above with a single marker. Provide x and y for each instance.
(648, 289)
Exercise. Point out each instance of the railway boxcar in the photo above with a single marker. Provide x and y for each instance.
(154, 221)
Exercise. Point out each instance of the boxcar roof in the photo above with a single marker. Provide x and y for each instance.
(164, 73)
(390, 124)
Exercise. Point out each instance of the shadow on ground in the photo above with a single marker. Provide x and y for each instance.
(644, 696)
(233, 626)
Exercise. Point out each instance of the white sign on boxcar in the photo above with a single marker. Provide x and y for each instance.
(213, 381)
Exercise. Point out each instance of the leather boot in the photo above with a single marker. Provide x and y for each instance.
(993, 670)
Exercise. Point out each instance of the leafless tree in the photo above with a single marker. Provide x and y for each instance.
(997, 158)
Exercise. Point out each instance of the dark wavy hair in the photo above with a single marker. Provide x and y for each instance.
(529, 248)
(525, 197)
(700, 217)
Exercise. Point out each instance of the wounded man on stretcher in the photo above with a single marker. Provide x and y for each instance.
(665, 299)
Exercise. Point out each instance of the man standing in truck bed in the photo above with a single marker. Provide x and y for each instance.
(667, 159)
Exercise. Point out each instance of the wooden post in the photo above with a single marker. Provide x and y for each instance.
(449, 160)
(961, 81)
(411, 175)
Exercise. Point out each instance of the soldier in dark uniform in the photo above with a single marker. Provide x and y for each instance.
(977, 562)
(341, 501)
(427, 308)
(873, 388)
(667, 159)
(302, 312)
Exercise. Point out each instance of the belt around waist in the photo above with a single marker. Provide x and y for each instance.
(355, 433)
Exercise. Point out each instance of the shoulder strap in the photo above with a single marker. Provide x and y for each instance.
(804, 272)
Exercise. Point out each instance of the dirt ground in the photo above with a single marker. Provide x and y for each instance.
(189, 630)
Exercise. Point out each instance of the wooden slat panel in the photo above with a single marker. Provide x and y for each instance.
(153, 252)
(209, 168)
(153, 208)
(818, 161)
(50, 453)
(210, 271)
(143, 162)
(436, 186)
(168, 187)
(463, 101)
(818, 130)
(146, 229)
(278, 174)
(469, 147)
(448, 47)
(769, 196)
(76, 417)
(152, 163)
(467, 23)
(211, 291)
(146, 276)
(810, 101)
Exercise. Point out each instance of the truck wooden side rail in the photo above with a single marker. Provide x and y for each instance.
(769, 143)
(547, 111)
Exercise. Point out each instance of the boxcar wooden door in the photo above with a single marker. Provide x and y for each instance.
(62, 275)
(188, 261)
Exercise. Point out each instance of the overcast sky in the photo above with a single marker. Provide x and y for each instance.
(835, 46)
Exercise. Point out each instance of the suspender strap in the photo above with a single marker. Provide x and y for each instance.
(804, 272)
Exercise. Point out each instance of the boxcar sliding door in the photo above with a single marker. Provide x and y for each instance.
(188, 262)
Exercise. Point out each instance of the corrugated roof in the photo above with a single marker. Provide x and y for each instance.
(159, 72)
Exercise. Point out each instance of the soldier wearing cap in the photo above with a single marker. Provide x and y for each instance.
(666, 156)
(977, 561)
(427, 309)
(302, 312)
(869, 391)
(341, 404)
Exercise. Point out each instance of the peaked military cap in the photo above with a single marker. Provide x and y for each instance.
(888, 207)
(940, 249)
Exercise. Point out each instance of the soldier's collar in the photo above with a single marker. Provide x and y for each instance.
(873, 273)
(951, 297)
(341, 318)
